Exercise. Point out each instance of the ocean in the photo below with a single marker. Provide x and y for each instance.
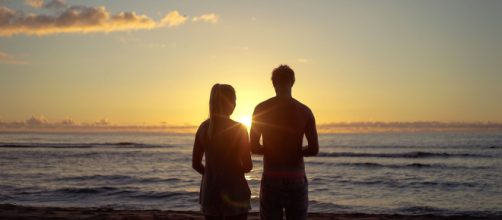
(440, 173)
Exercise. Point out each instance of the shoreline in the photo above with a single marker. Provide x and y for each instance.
(18, 212)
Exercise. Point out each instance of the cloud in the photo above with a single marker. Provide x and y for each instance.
(84, 19)
(36, 121)
(103, 122)
(68, 122)
(6, 58)
(42, 4)
(172, 19)
(55, 4)
(209, 18)
(34, 3)
(76, 19)
(302, 60)
(408, 126)
(40, 123)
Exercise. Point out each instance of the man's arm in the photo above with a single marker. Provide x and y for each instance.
(311, 133)
(198, 153)
(255, 135)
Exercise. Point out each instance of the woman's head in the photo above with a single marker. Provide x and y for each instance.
(221, 101)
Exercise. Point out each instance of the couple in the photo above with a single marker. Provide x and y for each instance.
(280, 122)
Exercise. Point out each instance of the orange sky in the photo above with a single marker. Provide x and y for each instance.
(154, 62)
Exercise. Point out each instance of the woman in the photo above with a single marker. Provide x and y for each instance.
(224, 192)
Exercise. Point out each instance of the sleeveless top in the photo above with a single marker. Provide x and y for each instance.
(224, 189)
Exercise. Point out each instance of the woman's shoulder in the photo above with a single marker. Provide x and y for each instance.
(231, 122)
(205, 123)
(237, 124)
(203, 126)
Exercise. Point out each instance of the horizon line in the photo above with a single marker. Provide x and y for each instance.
(331, 127)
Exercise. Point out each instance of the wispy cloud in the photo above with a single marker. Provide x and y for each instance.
(8, 59)
(209, 18)
(84, 19)
(408, 126)
(78, 19)
(302, 60)
(34, 3)
(49, 4)
(41, 123)
(36, 121)
(55, 4)
(172, 19)
(68, 122)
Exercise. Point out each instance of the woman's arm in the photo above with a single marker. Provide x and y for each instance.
(198, 152)
(245, 154)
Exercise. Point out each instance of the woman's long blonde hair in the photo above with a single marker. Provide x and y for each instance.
(221, 104)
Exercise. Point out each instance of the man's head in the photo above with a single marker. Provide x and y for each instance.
(283, 77)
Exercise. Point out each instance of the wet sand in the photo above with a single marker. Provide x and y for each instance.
(8, 211)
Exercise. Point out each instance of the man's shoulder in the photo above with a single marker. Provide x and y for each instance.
(265, 103)
(274, 101)
(302, 106)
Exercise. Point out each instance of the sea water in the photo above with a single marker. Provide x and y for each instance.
(444, 173)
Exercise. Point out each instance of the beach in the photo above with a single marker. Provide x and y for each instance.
(8, 211)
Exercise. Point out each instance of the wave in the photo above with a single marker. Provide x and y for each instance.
(421, 210)
(120, 192)
(329, 207)
(158, 195)
(432, 146)
(427, 212)
(401, 184)
(494, 147)
(453, 213)
(119, 178)
(410, 165)
(416, 154)
(83, 145)
(91, 190)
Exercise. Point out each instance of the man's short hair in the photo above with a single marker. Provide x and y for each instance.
(283, 75)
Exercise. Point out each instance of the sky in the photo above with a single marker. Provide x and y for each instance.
(154, 62)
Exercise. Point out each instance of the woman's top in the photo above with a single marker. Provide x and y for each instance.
(224, 189)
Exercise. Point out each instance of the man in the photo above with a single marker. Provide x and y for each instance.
(281, 122)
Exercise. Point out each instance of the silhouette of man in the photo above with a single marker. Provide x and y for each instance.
(281, 122)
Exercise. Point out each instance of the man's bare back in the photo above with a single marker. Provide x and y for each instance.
(282, 122)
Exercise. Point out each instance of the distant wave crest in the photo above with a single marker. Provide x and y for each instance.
(83, 145)
(122, 192)
(416, 154)
(409, 165)
(124, 179)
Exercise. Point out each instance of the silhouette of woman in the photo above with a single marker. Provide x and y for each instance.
(224, 192)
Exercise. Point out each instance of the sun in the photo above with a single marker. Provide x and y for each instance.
(246, 120)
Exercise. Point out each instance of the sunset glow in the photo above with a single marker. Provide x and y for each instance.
(152, 63)
(246, 120)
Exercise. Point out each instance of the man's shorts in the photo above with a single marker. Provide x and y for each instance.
(283, 192)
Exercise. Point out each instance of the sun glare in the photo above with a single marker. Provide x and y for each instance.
(246, 120)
